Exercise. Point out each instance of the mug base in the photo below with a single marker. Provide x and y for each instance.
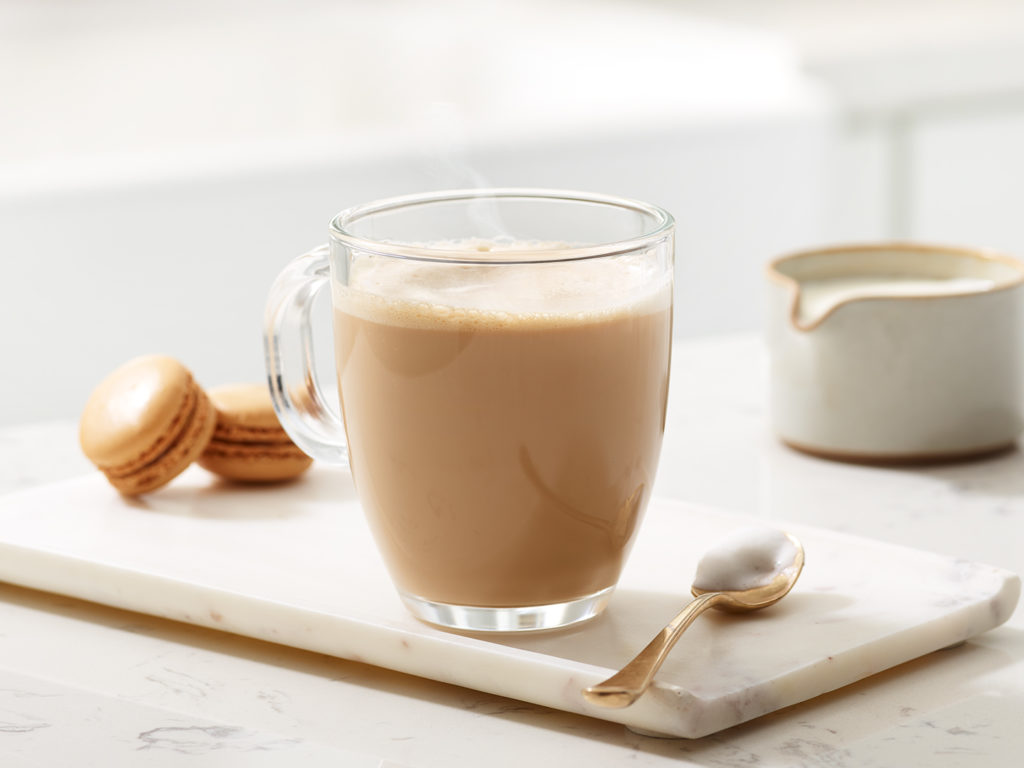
(529, 618)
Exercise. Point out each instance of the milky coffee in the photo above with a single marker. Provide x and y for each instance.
(504, 421)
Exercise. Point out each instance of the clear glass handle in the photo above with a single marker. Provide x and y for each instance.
(291, 363)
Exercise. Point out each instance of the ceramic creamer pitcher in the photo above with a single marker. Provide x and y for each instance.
(896, 352)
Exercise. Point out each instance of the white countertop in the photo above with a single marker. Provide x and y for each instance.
(98, 686)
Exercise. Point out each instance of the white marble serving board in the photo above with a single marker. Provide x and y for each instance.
(296, 565)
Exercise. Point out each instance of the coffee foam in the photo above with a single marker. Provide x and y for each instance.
(429, 294)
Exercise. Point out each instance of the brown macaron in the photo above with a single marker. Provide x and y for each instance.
(145, 423)
(249, 444)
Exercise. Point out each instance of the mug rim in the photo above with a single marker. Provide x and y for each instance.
(663, 227)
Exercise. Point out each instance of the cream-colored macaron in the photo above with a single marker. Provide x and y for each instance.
(249, 444)
(145, 423)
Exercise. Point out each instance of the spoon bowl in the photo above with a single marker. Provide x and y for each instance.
(760, 596)
(628, 684)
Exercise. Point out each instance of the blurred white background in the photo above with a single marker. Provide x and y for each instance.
(160, 162)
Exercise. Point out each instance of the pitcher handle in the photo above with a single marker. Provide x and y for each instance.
(291, 370)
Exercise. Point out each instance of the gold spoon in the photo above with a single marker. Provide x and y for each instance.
(628, 684)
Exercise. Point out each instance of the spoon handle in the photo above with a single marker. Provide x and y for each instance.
(628, 684)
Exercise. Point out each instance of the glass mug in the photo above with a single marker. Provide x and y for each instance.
(502, 359)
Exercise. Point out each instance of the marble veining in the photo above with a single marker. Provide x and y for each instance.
(196, 739)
